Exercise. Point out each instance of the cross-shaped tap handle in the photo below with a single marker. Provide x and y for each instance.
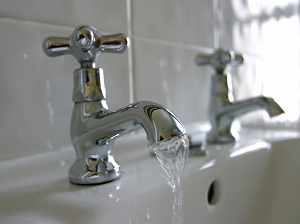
(85, 44)
(219, 59)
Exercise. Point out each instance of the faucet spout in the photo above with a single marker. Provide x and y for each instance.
(241, 107)
(223, 110)
(94, 129)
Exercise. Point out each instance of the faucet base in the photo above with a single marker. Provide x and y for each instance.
(92, 170)
(216, 137)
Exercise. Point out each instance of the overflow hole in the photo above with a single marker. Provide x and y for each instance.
(213, 193)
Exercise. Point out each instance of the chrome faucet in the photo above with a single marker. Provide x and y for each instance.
(223, 109)
(94, 128)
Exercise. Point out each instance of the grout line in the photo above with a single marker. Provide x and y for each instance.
(130, 58)
(200, 49)
(72, 27)
(15, 19)
(176, 44)
(130, 55)
(217, 23)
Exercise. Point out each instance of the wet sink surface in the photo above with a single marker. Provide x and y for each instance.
(253, 181)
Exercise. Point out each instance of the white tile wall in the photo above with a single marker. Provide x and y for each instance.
(105, 15)
(35, 90)
(168, 74)
(241, 26)
(185, 22)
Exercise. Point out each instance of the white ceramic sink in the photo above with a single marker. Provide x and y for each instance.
(258, 183)
(256, 180)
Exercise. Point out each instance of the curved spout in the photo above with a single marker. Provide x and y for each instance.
(238, 108)
(97, 128)
(223, 109)
(94, 130)
(224, 112)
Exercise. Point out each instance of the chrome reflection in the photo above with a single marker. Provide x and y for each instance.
(223, 109)
(251, 148)
(94, 128)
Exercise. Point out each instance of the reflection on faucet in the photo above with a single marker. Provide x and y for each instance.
(222, 108)
(93, 135)
(94, 128)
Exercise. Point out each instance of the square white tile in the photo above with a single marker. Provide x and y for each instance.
(36, 91)
(241, 26)
(189, 21)
(169, 75)
(105, 15)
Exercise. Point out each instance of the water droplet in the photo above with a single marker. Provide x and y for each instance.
(49, 145)
(48, 89)
(51, 113)
(62, 163)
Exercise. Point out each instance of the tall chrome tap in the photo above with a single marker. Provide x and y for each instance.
(223, 109)
(94, 128)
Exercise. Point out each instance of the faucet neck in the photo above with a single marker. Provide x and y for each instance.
(89, 86)
(219, 84)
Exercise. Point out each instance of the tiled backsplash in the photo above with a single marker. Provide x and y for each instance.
(36, 91)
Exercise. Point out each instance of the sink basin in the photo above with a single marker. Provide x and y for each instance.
(258, 184)
(255, 180)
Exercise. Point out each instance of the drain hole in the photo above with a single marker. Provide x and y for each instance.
(213, 193)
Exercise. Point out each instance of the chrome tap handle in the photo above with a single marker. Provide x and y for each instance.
(85, 44)
(219, 59)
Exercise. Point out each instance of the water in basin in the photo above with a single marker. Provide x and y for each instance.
(172, 155)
